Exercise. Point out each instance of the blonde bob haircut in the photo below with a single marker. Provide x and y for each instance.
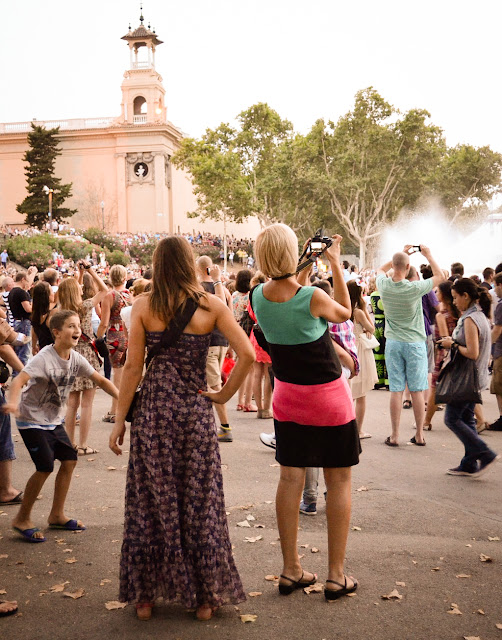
(118, 275)
(276, 250)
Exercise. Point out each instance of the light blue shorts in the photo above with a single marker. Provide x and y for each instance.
(406, 363)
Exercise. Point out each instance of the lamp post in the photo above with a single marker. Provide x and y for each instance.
(103, 214)
(49, 192)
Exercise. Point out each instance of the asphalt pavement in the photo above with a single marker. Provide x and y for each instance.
(415, 530)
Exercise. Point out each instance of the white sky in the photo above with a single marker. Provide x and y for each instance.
(307, 59)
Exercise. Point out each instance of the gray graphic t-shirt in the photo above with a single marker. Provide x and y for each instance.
(44, 397)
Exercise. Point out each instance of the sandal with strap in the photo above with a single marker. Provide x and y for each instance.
(144, 610)
(286, 589)
(334, 594)
(205, 612)
(86, 451)
(109, 417)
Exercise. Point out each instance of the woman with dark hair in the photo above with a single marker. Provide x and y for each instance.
(367, 376)
(444, 324)
(42, 306)
(176, 541)
(473, 340)
(240, 299)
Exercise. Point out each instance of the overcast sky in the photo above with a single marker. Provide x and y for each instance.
(307, 59)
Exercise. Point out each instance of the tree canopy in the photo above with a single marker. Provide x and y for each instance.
(41, 158)
(354, 176)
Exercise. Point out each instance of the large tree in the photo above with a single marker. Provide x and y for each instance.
(41, 158)
(231, 166)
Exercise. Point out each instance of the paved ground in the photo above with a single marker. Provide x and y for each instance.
(416, 526)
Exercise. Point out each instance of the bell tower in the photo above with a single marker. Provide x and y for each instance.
(143, 96)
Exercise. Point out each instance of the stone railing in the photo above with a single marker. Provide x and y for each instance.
(68, 124)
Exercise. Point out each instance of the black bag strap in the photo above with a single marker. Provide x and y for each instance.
(171, 334)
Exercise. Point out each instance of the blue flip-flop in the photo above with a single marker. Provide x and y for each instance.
(28, 534)
(71, 525)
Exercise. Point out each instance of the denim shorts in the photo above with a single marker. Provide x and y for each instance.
(6, 444)
(406, 363)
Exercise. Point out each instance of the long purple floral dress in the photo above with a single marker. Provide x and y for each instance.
(176, 541)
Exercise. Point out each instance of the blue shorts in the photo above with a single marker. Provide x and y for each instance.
(406, 363)
(6, 444)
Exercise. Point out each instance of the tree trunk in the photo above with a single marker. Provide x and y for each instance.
(362, 254)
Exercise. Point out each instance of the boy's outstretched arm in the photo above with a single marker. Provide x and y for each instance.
(18, 383)
(105, 384)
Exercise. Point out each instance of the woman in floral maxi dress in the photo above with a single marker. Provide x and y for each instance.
(176, 541)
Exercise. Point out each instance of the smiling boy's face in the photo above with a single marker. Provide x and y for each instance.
(69, 335)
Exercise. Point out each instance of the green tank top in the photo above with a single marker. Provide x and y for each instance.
(288, 322)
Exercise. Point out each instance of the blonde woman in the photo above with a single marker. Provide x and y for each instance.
(138, 287)
(113, 329)
(314, 415)
(83, 389)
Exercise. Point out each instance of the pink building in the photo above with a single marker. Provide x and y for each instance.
(121, 166)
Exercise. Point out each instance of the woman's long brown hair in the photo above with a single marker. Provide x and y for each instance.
(174, 278)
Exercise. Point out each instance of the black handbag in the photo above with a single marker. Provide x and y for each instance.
(169, 337)
(257, 330)
(246, 322)
(458, 381)
(4, 372)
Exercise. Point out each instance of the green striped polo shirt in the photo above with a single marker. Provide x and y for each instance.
(402, 301)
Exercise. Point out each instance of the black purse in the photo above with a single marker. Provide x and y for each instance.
(4, 372)
(458, 381)
(257, 330)
(169, 337)
(246, 322)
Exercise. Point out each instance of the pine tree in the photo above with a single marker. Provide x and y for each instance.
(41, 157)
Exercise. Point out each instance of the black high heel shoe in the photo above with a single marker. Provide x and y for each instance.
(332, 594)
(287, 589)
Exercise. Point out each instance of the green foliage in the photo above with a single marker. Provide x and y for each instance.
(143, 253)
(41, 157)
(230, 167)
(212, 252)
(102, 239)
(29, 251)
(73, 249)
(117, 257)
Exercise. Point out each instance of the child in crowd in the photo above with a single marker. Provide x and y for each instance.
(39, 416)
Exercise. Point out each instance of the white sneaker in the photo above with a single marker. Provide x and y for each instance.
(268, 439)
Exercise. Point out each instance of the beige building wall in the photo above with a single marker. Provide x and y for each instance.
(123, 162)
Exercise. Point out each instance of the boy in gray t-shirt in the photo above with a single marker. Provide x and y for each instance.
(39, 414)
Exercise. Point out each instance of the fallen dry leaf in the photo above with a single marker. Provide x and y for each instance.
(29, 577)
(248, 617)
(275, 465)
(254, 594)
(250, 517)
(304, 546)
(315, 588)
(362, 489)
(114, 604)
(104, 581)
(60, 541)
(70, 560)
(356, 528)
(75, 595)
(463, 575)
(268, 501)
(493, 539)
(253, 538)
(435, 569)
(393, 595)
(67, 550)
(499, 625)
(271, 578)
(112, 468)
(468, 545)
(414, 562)
(400, 584)
(481, 612)
(2, 592)
(352, 595)
(246, 507)
(43, 593)
(91, 459)
(314, 550)
(59, 587)
(244, 523)
(259, 526)
(4, 555)
(472, 638)
(485, 558)
(454, 610)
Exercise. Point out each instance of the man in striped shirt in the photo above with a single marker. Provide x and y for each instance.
(405, 347)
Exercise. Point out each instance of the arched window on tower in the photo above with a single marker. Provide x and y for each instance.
(139, 110)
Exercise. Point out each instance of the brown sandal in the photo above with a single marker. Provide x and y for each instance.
(144, 610)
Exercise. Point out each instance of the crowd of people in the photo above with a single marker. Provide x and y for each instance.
(176, 341)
